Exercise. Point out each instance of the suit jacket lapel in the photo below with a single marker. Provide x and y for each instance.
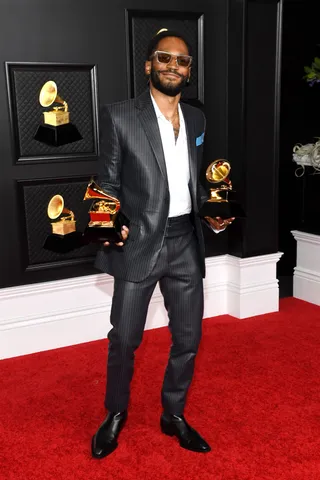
(149, 122)
(191, 136)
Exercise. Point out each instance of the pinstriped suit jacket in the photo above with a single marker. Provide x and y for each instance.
(132, 168)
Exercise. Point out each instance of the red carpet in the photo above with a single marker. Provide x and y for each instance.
(255, 398)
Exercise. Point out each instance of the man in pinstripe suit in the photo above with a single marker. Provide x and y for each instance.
(151, 154)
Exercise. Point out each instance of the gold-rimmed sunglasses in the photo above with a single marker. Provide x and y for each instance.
(166, 57)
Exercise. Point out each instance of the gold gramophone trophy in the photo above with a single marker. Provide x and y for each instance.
(64, 236)
(64, 221)
(106, 219)
(220, 204)
(56, 129)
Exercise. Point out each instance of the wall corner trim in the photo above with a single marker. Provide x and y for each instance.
(306, 277)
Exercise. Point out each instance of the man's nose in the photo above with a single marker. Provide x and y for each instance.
(173, 62)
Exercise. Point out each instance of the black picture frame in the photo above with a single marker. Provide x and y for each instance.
(79, 88)
(34, 224)
(141, 25)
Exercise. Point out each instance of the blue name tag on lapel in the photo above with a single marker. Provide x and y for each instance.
(199, 140)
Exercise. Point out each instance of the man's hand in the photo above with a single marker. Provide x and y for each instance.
(219, 223)
(124, 234)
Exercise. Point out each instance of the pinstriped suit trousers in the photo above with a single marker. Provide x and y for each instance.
(178, 272)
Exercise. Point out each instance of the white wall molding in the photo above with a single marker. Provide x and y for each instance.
(306, 278)
(252, 287)
(50, 315)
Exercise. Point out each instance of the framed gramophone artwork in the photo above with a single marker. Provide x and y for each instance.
(53, 111)
(54, 216)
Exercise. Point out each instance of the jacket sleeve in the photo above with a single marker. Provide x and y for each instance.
(110, 158)
(203, 195)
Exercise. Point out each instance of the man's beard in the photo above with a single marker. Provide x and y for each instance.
(170, 89)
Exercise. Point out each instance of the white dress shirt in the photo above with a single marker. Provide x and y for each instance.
(176, 156)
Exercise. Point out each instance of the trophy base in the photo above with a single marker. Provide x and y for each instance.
(57, 136)
(64, 243)
(222, 209)
(103, 234)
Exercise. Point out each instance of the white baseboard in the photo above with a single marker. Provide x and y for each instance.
(50, 315)
(252, 287)
(306, 278)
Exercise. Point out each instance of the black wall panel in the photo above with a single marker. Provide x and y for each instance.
(239, 103)
(299, 198)
(78, 32)
(253, 122)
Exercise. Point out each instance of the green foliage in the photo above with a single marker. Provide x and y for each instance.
(313, 73)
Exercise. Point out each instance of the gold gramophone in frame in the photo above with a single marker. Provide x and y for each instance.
(64, 237)
(47, 97)
(106, 219)
(56, 129)
(64, 221)
(219, 204)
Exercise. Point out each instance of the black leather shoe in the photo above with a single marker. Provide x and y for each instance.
(104, 441)
(187, 436)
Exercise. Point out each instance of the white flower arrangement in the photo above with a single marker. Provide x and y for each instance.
(307, 156)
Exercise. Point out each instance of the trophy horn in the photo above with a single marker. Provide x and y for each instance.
(56, 208)
(218, 171)
(94, 192)
(49, 95)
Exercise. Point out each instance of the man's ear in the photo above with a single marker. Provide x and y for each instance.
(147, 67)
